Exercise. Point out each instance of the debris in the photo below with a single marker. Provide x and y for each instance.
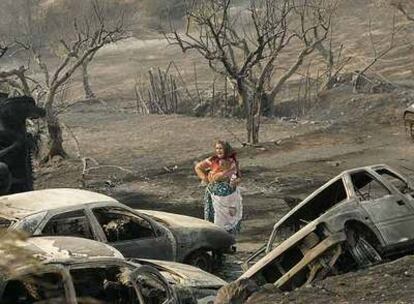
(236, 292)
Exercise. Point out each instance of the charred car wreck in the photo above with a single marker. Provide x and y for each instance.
(76, 270)
(135, 233)
(355, 220)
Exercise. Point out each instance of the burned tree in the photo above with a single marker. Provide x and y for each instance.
(96, 17)
(57, 42)
(406, 7)
(73, 49)
(246, 45)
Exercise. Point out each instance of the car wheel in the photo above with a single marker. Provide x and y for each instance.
(361, 250)
(201, 259)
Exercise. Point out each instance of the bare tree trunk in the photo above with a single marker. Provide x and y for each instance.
(329, 60)
(256, 114)
(89, 94)
(54, 129)
(252, 103)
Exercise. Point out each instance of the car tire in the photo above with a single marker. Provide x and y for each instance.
(201, 259)
(362, 251)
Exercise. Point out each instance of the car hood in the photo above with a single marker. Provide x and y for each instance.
(173, 220)
(189, 229)
(184, 275)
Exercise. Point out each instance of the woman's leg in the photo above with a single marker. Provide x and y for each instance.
(208, 206)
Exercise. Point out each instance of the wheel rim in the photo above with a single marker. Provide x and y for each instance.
(201, 261)
(364, 253)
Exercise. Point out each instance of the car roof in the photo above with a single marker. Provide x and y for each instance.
(22, 204)
(65, 249)
(366, 168)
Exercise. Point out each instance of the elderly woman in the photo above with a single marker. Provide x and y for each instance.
(221, 174)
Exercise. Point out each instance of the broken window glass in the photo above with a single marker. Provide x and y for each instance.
(5, 223)
(73, 223)
(106, 284)
(122, 225)
(30, 223)
(368, 188)
(42, 288)
(394, 180)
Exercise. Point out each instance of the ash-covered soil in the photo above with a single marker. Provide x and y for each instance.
(391, 282)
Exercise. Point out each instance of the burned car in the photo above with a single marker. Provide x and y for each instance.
(355, 220)
(409, 120)
(75, 270)
(135, 233)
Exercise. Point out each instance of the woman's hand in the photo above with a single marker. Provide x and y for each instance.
(235, 182)
(219, 177)
(204, 181)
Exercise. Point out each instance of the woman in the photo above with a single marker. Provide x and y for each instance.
(221, 174)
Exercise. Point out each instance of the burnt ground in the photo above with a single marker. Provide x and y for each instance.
(387, 283)
(147, 162)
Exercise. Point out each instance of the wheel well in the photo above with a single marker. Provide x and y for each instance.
(201, 249)
(364, 230)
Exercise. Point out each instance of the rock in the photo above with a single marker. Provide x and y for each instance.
(236, 292)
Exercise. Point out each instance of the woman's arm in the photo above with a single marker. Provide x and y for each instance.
(201, 170)
(235, 182)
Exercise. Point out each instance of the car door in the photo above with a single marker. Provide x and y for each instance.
(133, 235)
(388, 211)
